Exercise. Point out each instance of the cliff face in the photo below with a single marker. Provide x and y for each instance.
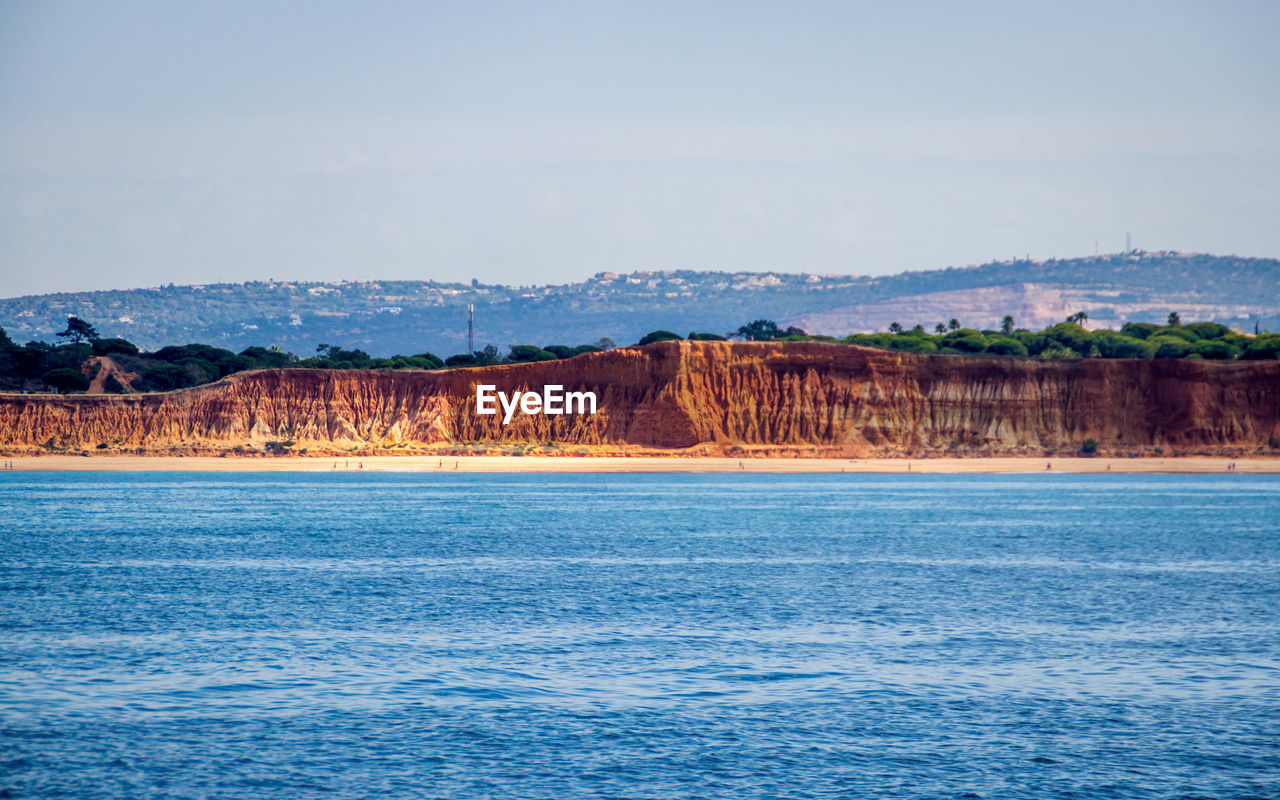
(800, 397)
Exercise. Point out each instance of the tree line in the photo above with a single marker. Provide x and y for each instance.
(72, 365)
(1065, 340)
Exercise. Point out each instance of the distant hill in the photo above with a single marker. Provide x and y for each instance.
(386, 317)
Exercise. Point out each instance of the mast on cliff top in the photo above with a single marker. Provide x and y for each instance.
(471, 339)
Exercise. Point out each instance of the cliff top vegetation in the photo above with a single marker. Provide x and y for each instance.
(111, 365)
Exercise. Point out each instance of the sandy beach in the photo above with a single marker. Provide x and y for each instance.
(454, 464)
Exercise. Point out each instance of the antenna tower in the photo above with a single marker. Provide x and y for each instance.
(471, 339)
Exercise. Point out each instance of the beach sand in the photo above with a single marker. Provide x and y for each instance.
(455, 464)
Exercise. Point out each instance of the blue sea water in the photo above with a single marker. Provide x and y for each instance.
(639, 636)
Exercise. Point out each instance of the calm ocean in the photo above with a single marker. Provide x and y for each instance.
(638, 636)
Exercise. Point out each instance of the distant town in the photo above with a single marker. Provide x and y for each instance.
(383, 318)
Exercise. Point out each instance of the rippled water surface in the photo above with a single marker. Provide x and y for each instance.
(639, 636)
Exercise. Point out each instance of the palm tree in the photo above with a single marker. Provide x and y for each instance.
(895, 327)
(940, 329)
(954, 324)
(1079, 318)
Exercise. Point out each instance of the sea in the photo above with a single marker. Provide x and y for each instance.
(175, 635)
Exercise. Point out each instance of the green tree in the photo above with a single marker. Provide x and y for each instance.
(1263, 347)
(66, 380)
(895, 328)
(953, 325)
(1170, 347)
(1115, 345)
(940, 328)
(1139, 330)
(524, 353)
(107, 347)
(964, 340)
(1207, 330)
(560, 350)
(461, 360)
(1005, 346)
(761, 330)
(1214, 349)
(913, 344)
(1006, 325)
(78, 331)
(1174, 319)
(659, 336)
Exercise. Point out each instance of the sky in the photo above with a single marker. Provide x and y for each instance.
(144, 143)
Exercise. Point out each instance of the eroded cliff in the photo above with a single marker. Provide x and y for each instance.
(804, 398)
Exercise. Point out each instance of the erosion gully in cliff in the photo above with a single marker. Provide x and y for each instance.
(802, 398)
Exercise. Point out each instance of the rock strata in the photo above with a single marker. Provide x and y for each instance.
(803, 398)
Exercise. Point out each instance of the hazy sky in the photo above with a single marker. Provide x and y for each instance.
(144, 143)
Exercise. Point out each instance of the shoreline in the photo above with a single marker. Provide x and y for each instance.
(644, 464)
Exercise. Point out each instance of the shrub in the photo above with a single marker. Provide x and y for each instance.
(113, 386)
(1059, 352)
(694, 336)
(881, 340)
(1089, 446)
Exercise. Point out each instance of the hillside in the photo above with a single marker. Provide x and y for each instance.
(797, 398)
(390, 317)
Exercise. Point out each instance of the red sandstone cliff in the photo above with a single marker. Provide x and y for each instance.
(806, 398)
